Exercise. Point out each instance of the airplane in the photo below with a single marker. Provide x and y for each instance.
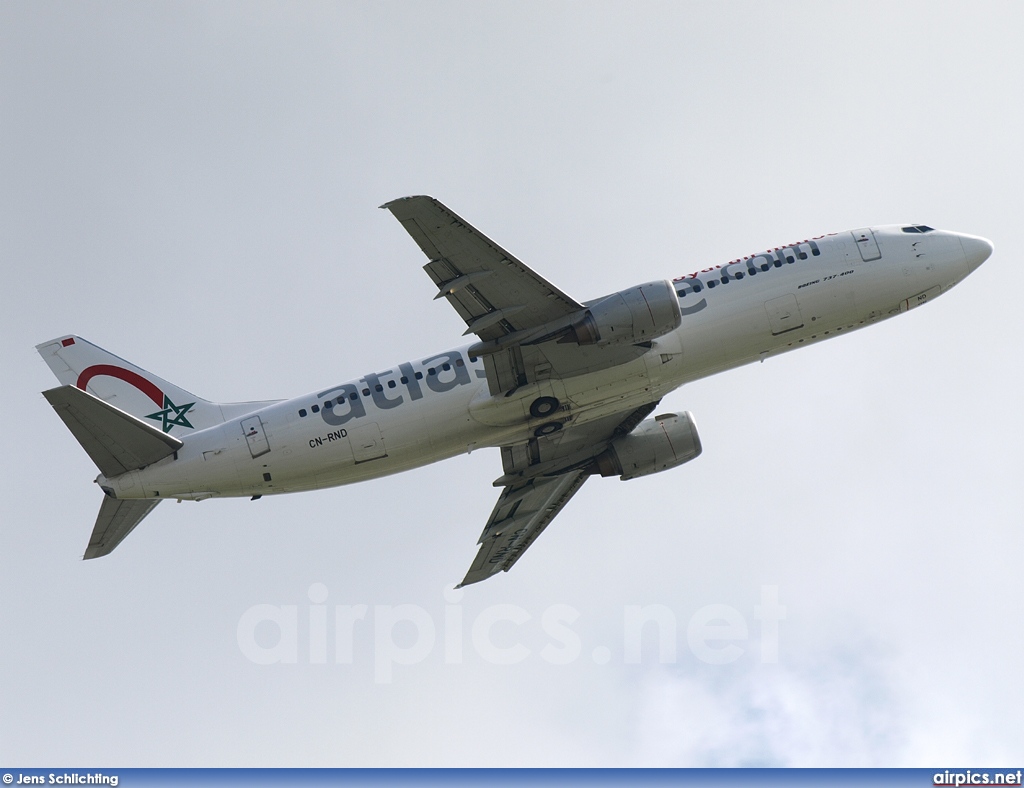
(564, 388)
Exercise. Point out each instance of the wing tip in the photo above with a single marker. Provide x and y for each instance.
(64, 340)
(95, 551)
(397, 200)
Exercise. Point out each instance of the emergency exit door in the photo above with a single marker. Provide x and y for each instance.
(367, 442)
(783, 314)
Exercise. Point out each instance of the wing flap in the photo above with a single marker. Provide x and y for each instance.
(116, 441)
(114, 522)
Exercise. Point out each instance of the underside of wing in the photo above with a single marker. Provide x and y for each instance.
(519, 517)
(491, 290)
(520, 318)
(540, 477)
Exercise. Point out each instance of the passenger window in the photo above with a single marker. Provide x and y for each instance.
(315, 409)
(302, 412)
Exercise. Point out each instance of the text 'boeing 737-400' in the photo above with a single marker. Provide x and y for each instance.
(564, 388)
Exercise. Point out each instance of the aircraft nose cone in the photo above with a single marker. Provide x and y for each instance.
(976, 250)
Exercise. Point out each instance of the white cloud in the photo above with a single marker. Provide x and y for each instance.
(842, 708)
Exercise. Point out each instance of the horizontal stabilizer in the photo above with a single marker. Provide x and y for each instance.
(114, 522)
(116, 441)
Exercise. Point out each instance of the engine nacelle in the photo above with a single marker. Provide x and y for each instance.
(655, 445)
(639, 314)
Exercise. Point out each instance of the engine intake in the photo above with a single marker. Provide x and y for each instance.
(655, 445)
(639, 314)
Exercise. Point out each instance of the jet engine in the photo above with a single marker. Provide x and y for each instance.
(655, 445)
(639, 314)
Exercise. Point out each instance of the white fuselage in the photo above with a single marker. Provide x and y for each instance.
(420, 412)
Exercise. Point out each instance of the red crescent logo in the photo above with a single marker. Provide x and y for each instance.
(129, 377)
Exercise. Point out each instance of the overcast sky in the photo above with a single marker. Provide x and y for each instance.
(195, 188)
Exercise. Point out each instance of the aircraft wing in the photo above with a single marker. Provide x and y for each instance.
(520, 515)
(491, 290)
(497, 295)
(540, 478)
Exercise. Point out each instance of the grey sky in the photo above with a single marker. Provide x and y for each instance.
(194, 188)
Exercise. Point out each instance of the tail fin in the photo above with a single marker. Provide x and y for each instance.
(82, 364)
(114, 522)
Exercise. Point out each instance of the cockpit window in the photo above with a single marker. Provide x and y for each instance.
(918, 228)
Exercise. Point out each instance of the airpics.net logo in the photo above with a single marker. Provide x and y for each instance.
(969, 777)
(399, 636)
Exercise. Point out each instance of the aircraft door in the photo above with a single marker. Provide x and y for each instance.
(866, 244)
(252, 428)
(783, 314)
(367, 442)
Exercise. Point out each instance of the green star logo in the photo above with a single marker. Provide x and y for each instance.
(172, 415)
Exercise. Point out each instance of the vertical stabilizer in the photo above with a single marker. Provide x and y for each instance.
(79, 363)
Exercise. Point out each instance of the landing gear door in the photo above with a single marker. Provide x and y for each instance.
(866, 244)
(252, 428)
